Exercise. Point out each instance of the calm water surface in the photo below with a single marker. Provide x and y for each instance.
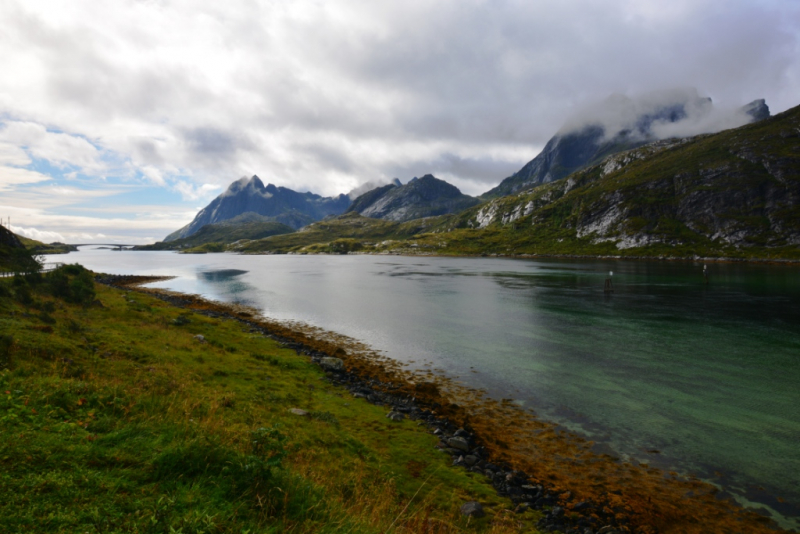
(709, 375)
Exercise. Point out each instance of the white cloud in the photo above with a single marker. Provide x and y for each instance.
(153, 174)
(40, 235)
(13, 155)
(115, 225)
(12, 176)
(59, 149)
(194, 192)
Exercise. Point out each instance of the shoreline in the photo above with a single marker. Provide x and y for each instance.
(535, 463)
(710, 259)
(523, 256)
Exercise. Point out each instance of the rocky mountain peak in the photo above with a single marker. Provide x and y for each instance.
(255, 182)
(279, 204)
(757, 109)
(420, 197)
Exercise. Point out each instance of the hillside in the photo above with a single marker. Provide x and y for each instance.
(350, 232)
(37, 247)
(421, 197)
(17, 253)
(732, 194)
(246, 226)
(619, 124)
(278, 204)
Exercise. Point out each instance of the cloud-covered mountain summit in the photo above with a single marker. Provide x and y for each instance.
(621, 123)
(272, 203)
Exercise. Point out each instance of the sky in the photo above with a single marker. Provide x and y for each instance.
(120, 119)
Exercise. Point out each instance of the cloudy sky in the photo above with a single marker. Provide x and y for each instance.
(120, 119)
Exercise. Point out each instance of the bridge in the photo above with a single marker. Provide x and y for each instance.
(116, 246)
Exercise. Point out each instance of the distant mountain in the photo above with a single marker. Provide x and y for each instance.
(621, 123)
(420, 197)
(278, 204)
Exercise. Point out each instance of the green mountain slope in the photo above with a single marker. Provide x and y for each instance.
(224, 233)
(347, 233)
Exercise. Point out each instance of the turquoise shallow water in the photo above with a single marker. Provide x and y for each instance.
(708, 375)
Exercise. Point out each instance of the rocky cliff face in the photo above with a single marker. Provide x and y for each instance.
(737, 188)
(421, 197)
(618, 125)
(278, 204)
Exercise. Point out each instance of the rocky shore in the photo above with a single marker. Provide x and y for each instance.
(463, 446)
(632, 506)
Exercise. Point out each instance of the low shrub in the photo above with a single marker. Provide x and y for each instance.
(72, 283)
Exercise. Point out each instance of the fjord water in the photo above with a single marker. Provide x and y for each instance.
(708, 375)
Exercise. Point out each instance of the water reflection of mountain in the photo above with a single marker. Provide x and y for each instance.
(221, 275)
(229, 283)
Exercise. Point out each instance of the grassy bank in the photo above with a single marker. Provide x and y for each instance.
(119, 418)
(116, 417)
(450, 235)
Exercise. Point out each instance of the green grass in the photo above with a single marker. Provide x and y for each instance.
(115, 418)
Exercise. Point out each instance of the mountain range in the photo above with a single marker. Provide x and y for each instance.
(248, 200)
(734, 194)
(625, 186)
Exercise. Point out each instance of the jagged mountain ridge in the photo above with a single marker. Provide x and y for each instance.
(279, 204)
(421, 197)
(576, 147)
